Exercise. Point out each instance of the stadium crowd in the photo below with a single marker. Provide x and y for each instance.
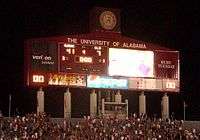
(41, 127)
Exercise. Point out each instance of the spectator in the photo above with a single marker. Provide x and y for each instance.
(32, 126)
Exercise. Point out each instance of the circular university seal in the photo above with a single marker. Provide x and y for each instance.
(108, 20)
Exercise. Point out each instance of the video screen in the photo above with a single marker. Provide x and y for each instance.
(130, 63)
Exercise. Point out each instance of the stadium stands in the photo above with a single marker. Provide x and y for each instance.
(141, 127)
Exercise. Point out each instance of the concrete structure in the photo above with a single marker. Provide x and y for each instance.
(103, 106)
(93, 104)
(118, 97)
(165, 106)
(108, 96)
(142, 103)
(126, 101)
(67, 104)
(40, 101)
(99, 102)
(120, 109)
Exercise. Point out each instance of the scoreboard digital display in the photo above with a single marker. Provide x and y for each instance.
(83, 59)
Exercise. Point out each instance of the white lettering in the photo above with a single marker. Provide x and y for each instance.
(134, 45)
(85, 59)
(37, 57)
(94, 42)
(47, 58)
(115, 44)
(103, 43)
(165, 66)
(72, 40)
(166, 62)
(48, 62)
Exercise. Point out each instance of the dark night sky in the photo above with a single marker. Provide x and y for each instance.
(171, 24)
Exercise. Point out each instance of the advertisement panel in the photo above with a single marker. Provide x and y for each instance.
(171, 85)
(67, 79)
(141, 83)
(43, 56)
(166, 64)
(95, 81)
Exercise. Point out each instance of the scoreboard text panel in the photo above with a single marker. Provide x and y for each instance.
(82, 59)
(43, 57)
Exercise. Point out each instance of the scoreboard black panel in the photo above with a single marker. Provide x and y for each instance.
(83, 59)
(43, 56)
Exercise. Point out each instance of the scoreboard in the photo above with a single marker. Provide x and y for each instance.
(83, 59)
(94, 63)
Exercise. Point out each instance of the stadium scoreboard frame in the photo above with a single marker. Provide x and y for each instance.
(80, 60)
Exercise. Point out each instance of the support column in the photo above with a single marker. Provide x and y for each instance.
(40, 101)
(108, 99)
(126, 101)
(99, 102)
(103, 107)
(93, 104)
(112, 96)
(67, 104)
(165, 106)
(118, 97)
(142, 103)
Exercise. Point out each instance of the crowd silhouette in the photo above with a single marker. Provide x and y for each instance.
(42, 127)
